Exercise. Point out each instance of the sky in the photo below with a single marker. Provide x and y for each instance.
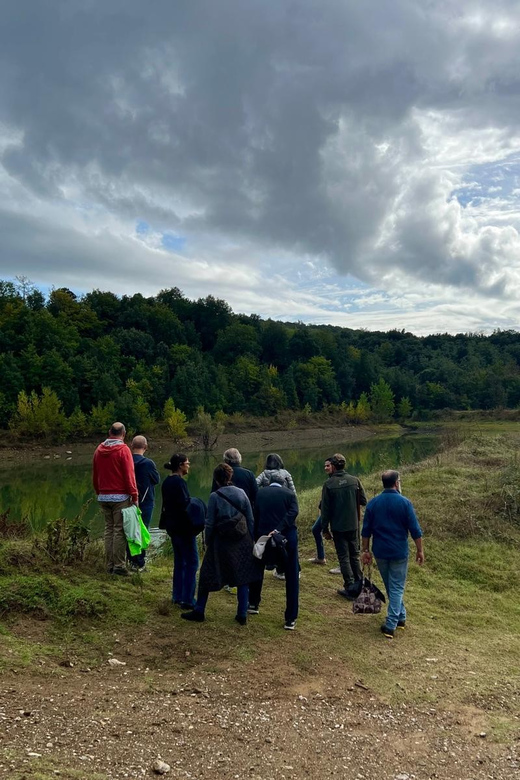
(335, 161)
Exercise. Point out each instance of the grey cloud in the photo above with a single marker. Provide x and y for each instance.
(260, 121)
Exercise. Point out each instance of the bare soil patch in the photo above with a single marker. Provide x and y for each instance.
(255, 720)
(249, 441)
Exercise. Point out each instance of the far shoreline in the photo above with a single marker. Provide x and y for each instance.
(252, 441)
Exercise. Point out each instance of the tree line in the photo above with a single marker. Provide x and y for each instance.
(72, 364)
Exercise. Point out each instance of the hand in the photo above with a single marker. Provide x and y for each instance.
(327, 535)
(366, 558)
(419, 557)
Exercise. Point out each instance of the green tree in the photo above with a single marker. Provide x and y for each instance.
(77, 424)
(404, 409)
(101, 417)
(363, 409)
(175, 421)
(382, 401)
(209, 428)
(39, 416)
(234, 341)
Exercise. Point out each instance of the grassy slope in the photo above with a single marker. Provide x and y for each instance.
(462, 647)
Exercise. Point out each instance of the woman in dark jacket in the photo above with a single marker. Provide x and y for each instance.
(174, 519)
(229, 538)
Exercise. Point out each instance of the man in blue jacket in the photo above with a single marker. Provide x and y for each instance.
(389, 518)
(147, 477)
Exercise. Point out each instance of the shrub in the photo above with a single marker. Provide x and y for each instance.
(175, 421)
(65, 541)
(209, 428)
(40, 416)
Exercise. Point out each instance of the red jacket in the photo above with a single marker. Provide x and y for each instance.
(113, 469)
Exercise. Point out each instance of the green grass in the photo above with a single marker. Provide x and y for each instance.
(463, 637)
(45, 768)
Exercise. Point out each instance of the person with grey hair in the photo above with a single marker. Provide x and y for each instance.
(341, 500)
(242, 478)
(113, 478)
(389, 518)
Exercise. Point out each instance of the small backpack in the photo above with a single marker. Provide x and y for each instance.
(234, 528)
(196, 511)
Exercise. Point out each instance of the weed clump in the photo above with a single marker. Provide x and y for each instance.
(45, 596)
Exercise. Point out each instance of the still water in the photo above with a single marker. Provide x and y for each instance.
(51, 489)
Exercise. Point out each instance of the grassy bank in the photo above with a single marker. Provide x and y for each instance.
(462, 646)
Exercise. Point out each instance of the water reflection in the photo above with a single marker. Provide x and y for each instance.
(44, 491)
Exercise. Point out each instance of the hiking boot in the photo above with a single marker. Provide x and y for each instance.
(387, 632)
(252, 610)
(290, 625)
(401, 624)
(194, 615)
(242, 619)
(319, 561)
(346, 595)
(337, 570)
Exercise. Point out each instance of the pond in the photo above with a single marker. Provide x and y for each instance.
(41, 491)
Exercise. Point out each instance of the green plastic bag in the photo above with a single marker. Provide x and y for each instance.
(137, 534)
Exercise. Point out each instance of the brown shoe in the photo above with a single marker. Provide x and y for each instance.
(319, 561)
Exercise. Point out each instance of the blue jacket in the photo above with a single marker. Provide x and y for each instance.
(147, 477)
(389, 517)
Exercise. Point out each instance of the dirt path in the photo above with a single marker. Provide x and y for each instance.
(253, 722)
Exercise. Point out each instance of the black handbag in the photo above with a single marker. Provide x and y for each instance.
(370, 599)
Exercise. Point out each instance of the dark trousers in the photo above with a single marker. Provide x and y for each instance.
(347, 549)
(318, 538)
(185, 565)
(242, 600)
(292, 579)
(146, 514)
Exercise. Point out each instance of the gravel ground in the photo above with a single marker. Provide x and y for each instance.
(252, 723)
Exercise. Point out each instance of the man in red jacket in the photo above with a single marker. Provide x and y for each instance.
(113, 477)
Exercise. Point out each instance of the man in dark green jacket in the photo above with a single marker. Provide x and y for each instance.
(341, 498)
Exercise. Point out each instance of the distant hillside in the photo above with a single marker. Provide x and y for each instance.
(124, 357)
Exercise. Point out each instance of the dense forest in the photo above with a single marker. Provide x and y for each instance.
(75, 363)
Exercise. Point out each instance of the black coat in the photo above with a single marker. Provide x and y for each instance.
(225, 562)
(175, 499)
(276, 507)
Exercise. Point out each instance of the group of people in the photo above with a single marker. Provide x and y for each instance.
(250, 526)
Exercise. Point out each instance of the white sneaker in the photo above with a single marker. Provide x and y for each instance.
(278, 576)
(337, 570)
(290, 626)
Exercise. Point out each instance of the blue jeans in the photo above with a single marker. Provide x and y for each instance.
(394, 573)
(318, 538)
(146, 514)
(242, 600)
(185, 565)
(292, 579)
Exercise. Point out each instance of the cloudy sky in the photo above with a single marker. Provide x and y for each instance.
(347, 161)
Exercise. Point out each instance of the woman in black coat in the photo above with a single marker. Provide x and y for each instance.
(229, 538)
(175, 520)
